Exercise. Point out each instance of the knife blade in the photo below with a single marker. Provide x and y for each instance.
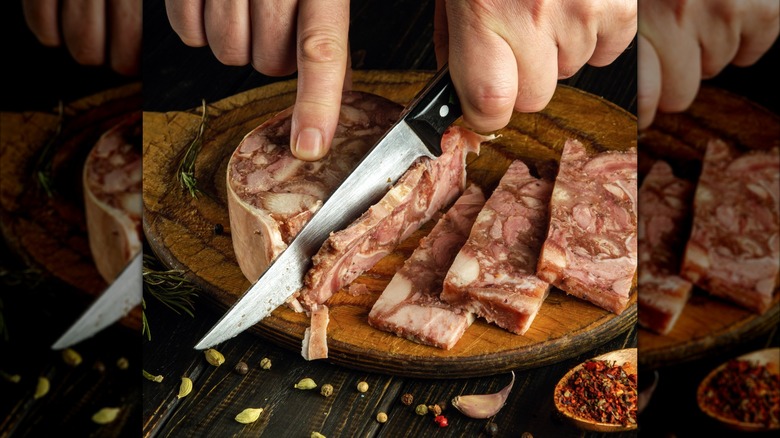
(417, 134)
(124, 293)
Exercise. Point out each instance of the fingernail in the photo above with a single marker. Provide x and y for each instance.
(309, 144)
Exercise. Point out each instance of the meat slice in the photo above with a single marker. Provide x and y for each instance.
(315, 337)
(410, 305)
(591, 246)
(734, 248)
(427, 187)
(112, 197)
(664, 223)
(493, 275)
(272, 195)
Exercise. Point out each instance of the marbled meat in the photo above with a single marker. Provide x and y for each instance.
(734, 248)
(665, 206)
(410, 306)
(494, 274)
(591, 246)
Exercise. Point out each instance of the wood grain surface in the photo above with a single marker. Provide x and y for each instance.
(707, 323)
(180, 230)
(49, 232)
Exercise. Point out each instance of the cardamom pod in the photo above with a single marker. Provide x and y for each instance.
(483, 405)
(317, 435)
(105, 415)
(214, 357)
(71, 357)
(306, 383)
(42, 388)
(249, 415)
(185, 387)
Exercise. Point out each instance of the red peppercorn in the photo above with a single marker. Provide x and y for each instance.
(441, 420)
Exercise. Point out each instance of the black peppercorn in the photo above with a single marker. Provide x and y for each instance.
(242, 368)
(218, 229)
(491, 429)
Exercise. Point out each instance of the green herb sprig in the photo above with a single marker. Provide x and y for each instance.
(186, 171)
(43, 165)
(169, 287)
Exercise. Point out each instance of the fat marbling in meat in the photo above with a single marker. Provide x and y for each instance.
(112, 196)
(410, 306)
(272, 195)
(494, 274)
(665, 205)
(426, 188)
(591, 246)
(734, 248)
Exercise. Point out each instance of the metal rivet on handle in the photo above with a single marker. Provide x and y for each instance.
(444, 110)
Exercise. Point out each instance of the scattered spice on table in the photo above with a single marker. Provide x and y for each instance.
(326, 390)
(241, 368)
(601, 391)
(441, 420)
(407, 399)
(744, 391)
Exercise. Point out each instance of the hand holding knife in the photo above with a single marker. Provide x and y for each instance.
(417, 134)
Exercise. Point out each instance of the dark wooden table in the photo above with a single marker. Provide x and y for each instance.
(384, 36)
(35, 307)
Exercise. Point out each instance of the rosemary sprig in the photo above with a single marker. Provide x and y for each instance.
(43, 165)
(186, 171)
(168, 287)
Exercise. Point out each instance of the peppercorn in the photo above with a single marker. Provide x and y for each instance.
(99, 366)
(443, 405)
(527, 435)
(241, 368)
(122, 363)
(421, 409)
(491, 429)
(362, 386)
(441, 420)
(326, 390)
(218, 229)
(381, 417)
(435, 410)
(407, 399)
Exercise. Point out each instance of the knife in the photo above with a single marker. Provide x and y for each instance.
(124, 293)
(417, 134)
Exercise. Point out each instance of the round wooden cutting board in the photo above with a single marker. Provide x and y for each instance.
(180, 230)
(50, 233)
(707, 324)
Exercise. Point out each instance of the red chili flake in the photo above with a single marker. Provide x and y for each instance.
(746, 392)
(601, 391)
(441, 420)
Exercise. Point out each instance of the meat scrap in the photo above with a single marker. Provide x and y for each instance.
(664, 212)
(315, 337)
(591, 246)
(427, 187)
(272, 195)
(493, 275)
(112, 197)
(734, 248)
(410, 306)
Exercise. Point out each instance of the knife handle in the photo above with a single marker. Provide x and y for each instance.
(434, 109)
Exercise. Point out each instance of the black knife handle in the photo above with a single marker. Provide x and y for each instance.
(434, 109)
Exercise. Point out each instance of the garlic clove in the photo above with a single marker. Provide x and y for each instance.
(483, 405)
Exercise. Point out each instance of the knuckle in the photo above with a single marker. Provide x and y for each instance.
(492, 100)
(321, 47)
